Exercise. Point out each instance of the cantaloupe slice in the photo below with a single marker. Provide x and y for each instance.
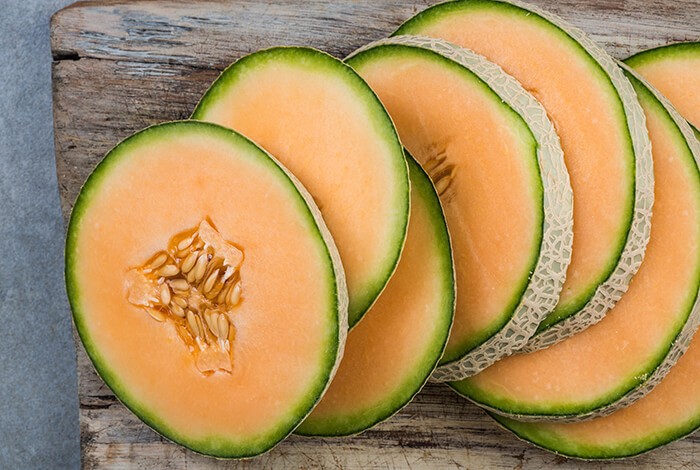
(601, 127)
(620, 359)
(390, 355)
(496, 162)
(206, 288)
(322, 121)
(672, 409)
(674, 70)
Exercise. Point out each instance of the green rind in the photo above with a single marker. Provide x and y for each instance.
(555, 442)
(669, 51)
(647, 375)
(383, 124)
(362, 420)
(589, 306)
(215, 445)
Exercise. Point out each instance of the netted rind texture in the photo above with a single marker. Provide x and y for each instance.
(547, 279)
(685, 335)
(609, 292)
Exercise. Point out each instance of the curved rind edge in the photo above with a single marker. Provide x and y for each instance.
(498, 420)
(220, 81)
(682, 340)
(662, 52)
(341, 292)
(547, 279)
(611, 291)
(413, 164)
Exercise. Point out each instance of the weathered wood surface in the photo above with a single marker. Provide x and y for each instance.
(120, 66)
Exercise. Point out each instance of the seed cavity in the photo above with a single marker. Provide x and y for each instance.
(195, 284)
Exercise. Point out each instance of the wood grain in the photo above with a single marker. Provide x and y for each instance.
(120, 66)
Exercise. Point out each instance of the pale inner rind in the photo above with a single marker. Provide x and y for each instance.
(543, 289)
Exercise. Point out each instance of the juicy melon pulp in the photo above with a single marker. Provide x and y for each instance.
(391, 353)
(647, 327)
(672, 409)
(289, 322)
(482, 159)
(673, 70)
(320, 119)
(586, 110)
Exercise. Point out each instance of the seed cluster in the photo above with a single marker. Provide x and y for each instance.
(197, 288)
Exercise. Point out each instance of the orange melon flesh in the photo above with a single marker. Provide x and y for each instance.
(493, 204)
(600, 365)
(391, 353)
(672, 409)
(673, 70)
(668, 412)
(161, 182)
(586, 111)
(323, 123)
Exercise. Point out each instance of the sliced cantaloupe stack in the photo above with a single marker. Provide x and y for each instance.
(672, 409)
(673, 70)
(198, 268)
(497, 165)
(601, 127)
(618, 360)
(322, 121)
(391, 354)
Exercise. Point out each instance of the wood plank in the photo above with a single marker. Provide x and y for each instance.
(120, 66)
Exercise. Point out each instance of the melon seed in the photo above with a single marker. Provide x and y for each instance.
(234, 295)
(185, 243)
(209, 283)
(164, 294)
(180, 284)
(177, 310)
(223, 327)
(169, 270)
(188, 263)
(192, 323)
(158, 261)
(156, 314)
(200, 267)
(223, 293)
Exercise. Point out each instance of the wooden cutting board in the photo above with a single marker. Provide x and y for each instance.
(122, 65)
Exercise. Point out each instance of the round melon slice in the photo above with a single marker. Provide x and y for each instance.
(390, 355)
(322, 121)
(496, 162)
(602, 132)
(673, 70)
(206, 288)
(672, 409)
(617, 361)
